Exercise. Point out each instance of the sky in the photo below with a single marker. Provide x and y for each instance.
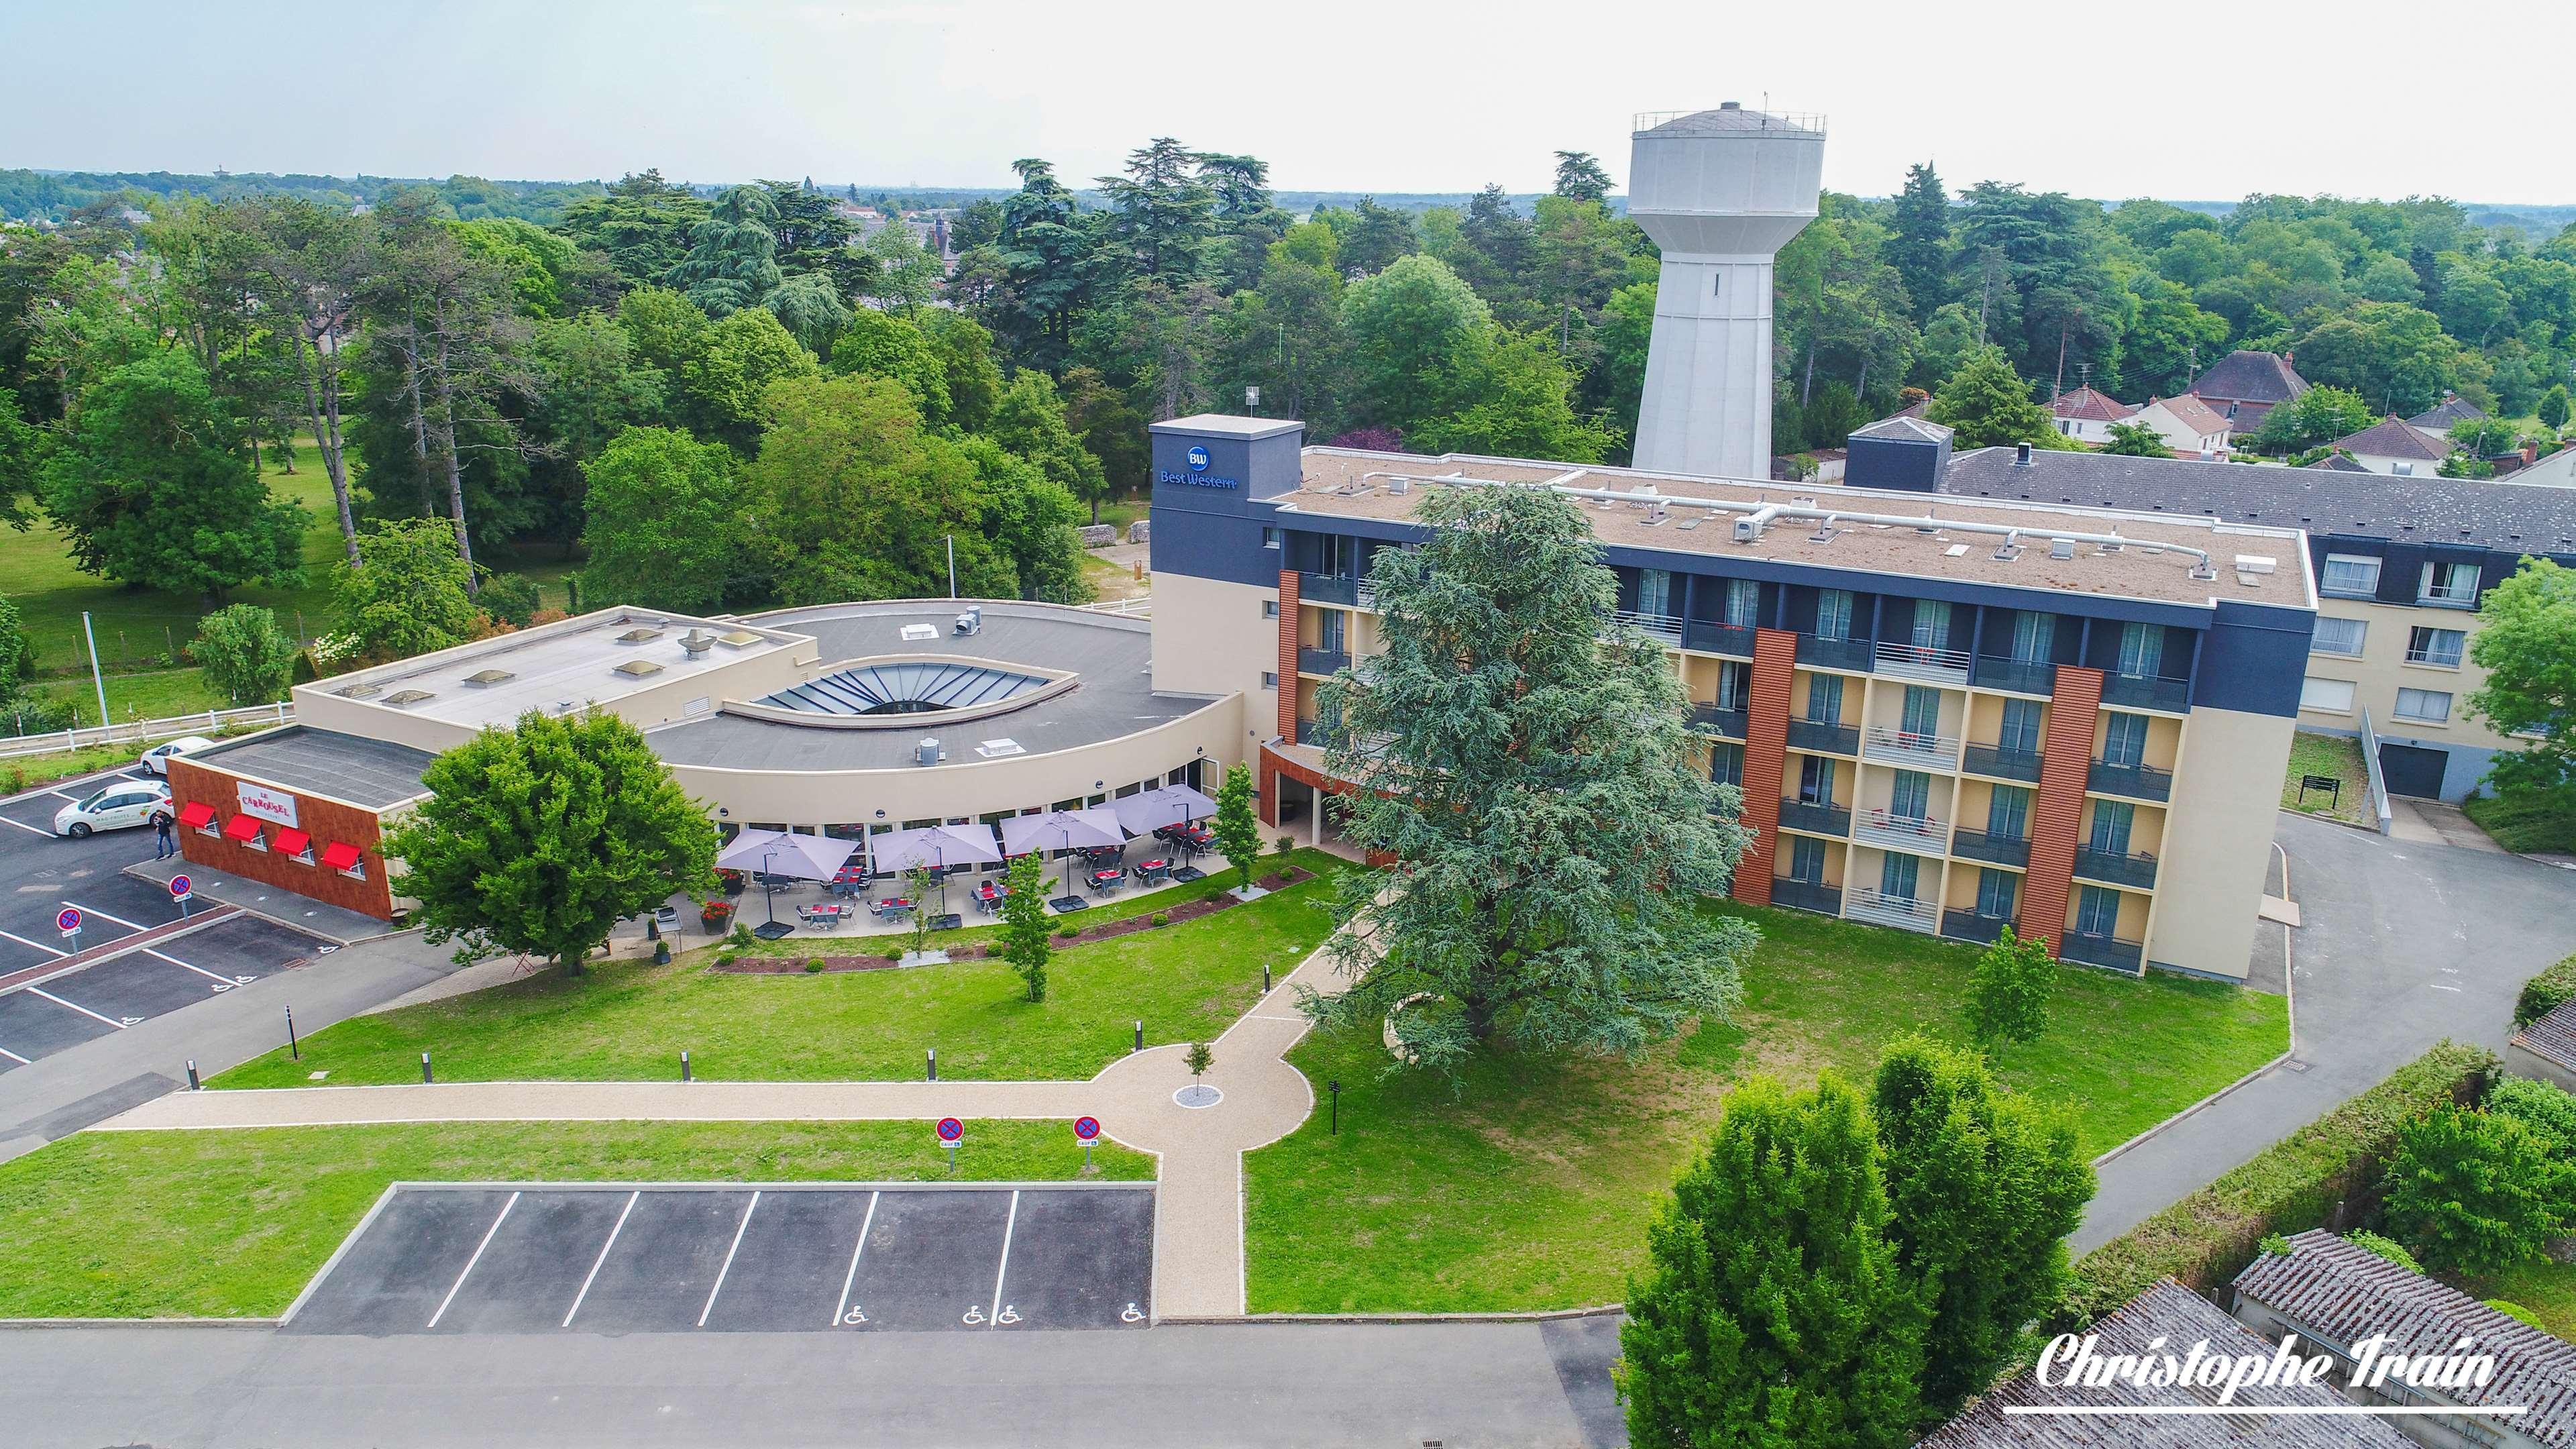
(1392, 96)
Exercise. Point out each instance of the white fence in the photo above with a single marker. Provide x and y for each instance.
(1141, 607)
(140, 732)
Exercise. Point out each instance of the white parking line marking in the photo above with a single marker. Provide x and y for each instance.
(104, 916)
(22, 1061)
(1000, 1270)
(470, 1262)
(39, 945)
(738, 1230)
(200, 970)
(83, 1010)
(59, 795)
(852, 1276)
(23, 825)
(2438, 986)
(602, 1258)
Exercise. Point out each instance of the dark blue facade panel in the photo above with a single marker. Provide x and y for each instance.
(2253, 659)
(1211, 500)
(1898, 464)
(1201, 545)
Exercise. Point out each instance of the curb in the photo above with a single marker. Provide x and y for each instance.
(1549, 1315)
(257, 1323)
(300, 928)
(142, 940)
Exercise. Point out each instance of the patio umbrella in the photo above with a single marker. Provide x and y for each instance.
(1150, 810)
(1062, 830)
(784, 852)
(936, 846)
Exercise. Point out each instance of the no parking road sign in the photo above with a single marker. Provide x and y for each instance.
(68, 920)
(1086, 1128)
(950, 1129)
(180, 891)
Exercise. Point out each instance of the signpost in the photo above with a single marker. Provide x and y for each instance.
(68, 921)
(950, 1129)
(180, 892)
(1086, 1128)
(2328, 783)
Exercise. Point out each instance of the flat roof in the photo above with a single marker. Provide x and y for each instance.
(1228, 425)
(1114, 696)
(372, 773)
(1348, 483)
(584, 661)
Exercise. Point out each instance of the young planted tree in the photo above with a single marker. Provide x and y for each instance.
(1526, 767)
(1200, 1058)
(540, 838)
(244, 653)
(1983, 1185)
(2008, 994)
(918, 883)
(1024, 924)
(1773, 1309)
(1238, 829)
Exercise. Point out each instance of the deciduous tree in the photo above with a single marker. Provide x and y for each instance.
(1025, 926)
(2008, 993)
(244, 653)
(1238, 829)
(407, 593)
(661, 530)
(2526, 643)
(2137, 440)
(1986, 404)
(2476, 1192)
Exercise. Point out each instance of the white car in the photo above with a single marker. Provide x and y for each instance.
(121, 805)
(153, 757)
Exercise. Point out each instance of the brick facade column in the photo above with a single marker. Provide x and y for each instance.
(1287, 659)
(1766, 759)
(1267, 782)
(2057, 812)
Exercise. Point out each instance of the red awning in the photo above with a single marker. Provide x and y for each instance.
(196, 814)
(241, 827)
(340, 855)
(289, 841)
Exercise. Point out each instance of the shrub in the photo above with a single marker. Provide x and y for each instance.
(2545, 993)
(741, 935)
(2475, 1192)
(1067, 933)
(2321, 1175)
(245, 654)
(2513, 1310)
(1162, 918)
(1287, 843)
(510, 598)
(2549, 1111)
(2389, 1248)
(814, 965)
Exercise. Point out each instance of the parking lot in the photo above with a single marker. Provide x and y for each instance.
(552, 1258)
(40, 874)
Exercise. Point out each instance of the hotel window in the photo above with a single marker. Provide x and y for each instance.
(2020, 732)
(1998, 891)
(1898, 874)
(2351, 574)
(1269, 679)
(2142, 650)
(2097, 912)
(2426, 706)
(1815, 780)
(1734, 684)
(1833, 613)
(1825, 699)
(1743, 603)
(2340, 636)
(1655, 592)
(1331, 631)
(1270, 608)
(2008, 813)
(2033, 634)
(2331, 695)
(2451, 583)
(1931, 624)
(1272, 538)
(2124, 739)
(1807, 859)
(1726, 764)
(2436, 646)
(2112, 820)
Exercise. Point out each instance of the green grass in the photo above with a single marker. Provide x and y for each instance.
(2525, 823)
(148, 694)
(230, 1224)
(1531, 1187)
(2336, 757)
(2547, 1288)
(631, 1021)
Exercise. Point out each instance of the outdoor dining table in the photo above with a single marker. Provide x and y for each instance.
(1152, 870)
(990, 895)
(830, 915)
(894, 907)
(1103, 881)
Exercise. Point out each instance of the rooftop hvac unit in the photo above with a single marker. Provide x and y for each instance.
(2061, 548)
(1399, 485)
(1747, 531)
(927, 752)
(971, 622)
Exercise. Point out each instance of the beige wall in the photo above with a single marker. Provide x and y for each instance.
(1887, 705)
(1845, 773)
(2218, 841)
(1210, 638)
(2164, 736)
(2382, 669)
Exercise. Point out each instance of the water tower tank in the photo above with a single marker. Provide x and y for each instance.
(1720, 192)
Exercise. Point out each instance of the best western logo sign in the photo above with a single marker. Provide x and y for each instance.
(1195, 473)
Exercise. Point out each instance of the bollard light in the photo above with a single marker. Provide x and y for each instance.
(934, 1064)
(1140, 1035)
(193, 1085)
(424, 1068)
(684, 1066)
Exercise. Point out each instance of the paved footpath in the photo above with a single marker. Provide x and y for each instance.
(1198, 1230)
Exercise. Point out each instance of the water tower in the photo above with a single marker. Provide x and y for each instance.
(1720, 192)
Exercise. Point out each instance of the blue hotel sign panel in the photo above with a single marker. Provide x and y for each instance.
(1198, 475)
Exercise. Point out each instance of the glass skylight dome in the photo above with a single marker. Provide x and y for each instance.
(921, 688)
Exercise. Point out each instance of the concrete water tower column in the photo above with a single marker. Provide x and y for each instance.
(1720, 192)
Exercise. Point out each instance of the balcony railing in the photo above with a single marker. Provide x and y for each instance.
(1807, 895)
(2446, 657)
(1904, 747)
(2141, 782)
(1969, 926)
(1993, 849)
(1322, 661)
(1913, 834)
(2448, 596)
(2111, 951)
(1666, 627)
(2002, 763)
(1852, 654)
(1923, 662)
(2114, 869)
(1831, 820)
(1871, 904)
(1342, 589)
(1713, 720)
(1823, 738)
(1710, 637)
(2019, 676)
(2141, 692)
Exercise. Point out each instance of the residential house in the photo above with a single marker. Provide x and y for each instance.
(2166, 1319)
(2400, 571)
(2546, 1049)
(2396, 447)
(2243, 386)
(2454, 409)
(2337, 463)
(2189, 426)
(2558, 470)
(2086, 414)
(2344, 1299)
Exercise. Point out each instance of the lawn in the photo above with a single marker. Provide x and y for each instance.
(630, 1021)
(2525, 823)
(1531, 1186)
(230, 1224)
(2547, 1288)
(2337, 757)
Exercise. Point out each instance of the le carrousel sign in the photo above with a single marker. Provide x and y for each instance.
(267, 804)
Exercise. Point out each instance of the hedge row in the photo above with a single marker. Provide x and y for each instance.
(2545, 993)
(2323, 1175)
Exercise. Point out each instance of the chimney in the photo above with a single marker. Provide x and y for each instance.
(2021, 455)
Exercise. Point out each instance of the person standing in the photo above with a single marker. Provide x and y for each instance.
(165, 835)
